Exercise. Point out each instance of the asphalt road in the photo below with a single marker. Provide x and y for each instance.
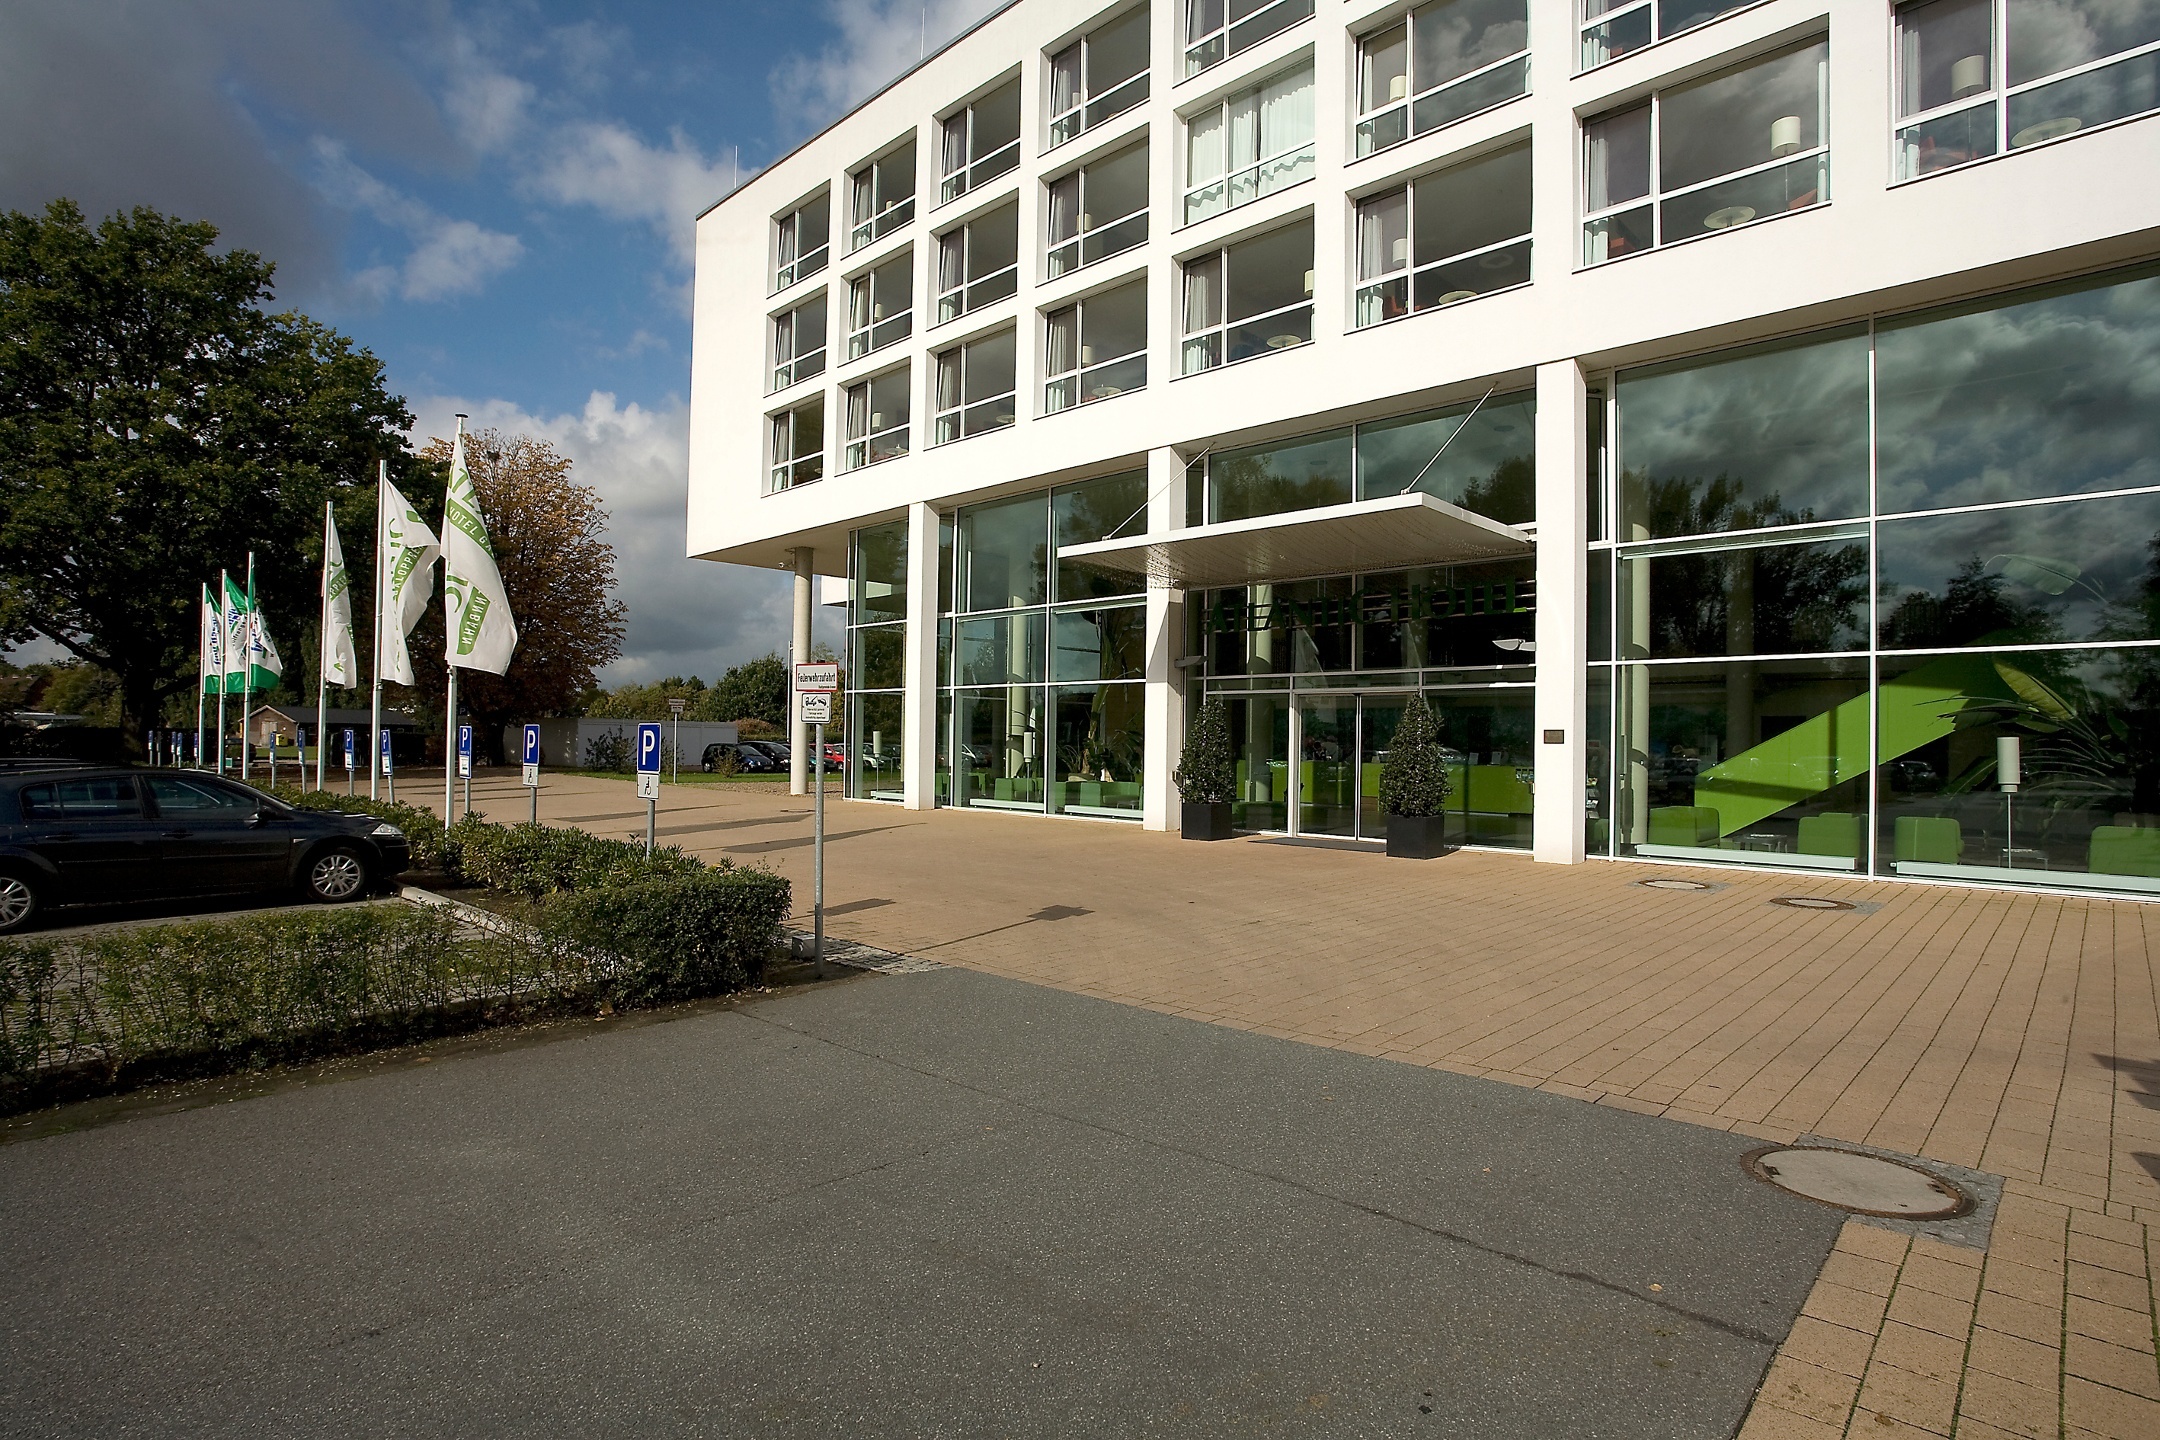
(939, 1204)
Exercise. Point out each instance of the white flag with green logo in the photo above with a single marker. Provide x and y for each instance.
(265, 667)
(478, 631)
(340, 662)
(409, 551)
(211, 661)
(236, 638)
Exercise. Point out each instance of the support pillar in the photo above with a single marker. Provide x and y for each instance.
(799, 652)
(1165, 698)
(919, 706)
(1557, 815)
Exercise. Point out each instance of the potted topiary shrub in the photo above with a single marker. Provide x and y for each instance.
(1414, 786)
(1206, 775)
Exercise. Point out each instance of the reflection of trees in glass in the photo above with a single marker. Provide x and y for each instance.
(1508, 494)
(1772, 599)
(2086, 743)
(1678, 505)
(1973, 609)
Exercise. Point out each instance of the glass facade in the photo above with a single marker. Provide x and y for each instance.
(876, 673)
(1887, 599)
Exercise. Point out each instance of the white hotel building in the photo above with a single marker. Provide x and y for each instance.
(1740, 421)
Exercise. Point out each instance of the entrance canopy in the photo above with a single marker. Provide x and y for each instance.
(1391, 533)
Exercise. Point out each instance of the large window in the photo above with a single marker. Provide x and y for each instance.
(1249, 298)
(1612, 28)
(1099, 210)
(881, 305)
(799, 342)
(1251, 144)
(802, 241)
(1441, 63)
(979, 262)
(1978, 77)
(1099, 76)
(798, 446)
(1043, 678)
(876, 660)
(1453, 235)
(1217, 29)
(1745, 145)
(1960, 679)
(976, 389)
(877, 419)
(881, 196)
(1095, 348)
(980, 142)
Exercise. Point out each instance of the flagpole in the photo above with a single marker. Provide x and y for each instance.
(322, 671)
(247, 674)
(225, 636)
(449, 762)
(202, 675)
(374, 770)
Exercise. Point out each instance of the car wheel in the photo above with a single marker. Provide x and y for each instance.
(337, 874)
(18, 903)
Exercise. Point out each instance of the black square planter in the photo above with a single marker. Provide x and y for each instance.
(1417, 837)
(1204, 822)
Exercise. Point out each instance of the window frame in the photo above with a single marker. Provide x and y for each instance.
(967, 172)
(1076, 243)
(1219, 329)
(882, 219)
(1366, 122)
(1083, 366)
(1226, 180)
(1225, 31)
(787, 226)
(1656, 197)
(860, 452)
(782, 475)
(955, 415)
(864, 285)
(796, 367)
(1087, 103)
(1407, 275)
(1585, 22)
(963, 234)
(1997, 97)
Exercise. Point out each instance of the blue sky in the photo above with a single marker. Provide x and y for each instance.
(495, 197)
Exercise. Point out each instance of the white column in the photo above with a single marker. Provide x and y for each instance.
(1562, 621)
(798, 652)
(918, 714)
(1165, 700)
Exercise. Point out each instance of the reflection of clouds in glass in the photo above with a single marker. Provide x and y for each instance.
(2082, 565)
(1789, 422)
(2052, 397)
(1723, 124)
(2051, 35)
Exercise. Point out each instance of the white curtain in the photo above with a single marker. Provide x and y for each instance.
(1286, 125)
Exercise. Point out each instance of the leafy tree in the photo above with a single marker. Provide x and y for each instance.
(558, 572)
(754, 690)
(157, 423)
(1206, 772)
(1414, 779)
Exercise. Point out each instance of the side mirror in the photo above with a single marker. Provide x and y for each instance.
(255, 817)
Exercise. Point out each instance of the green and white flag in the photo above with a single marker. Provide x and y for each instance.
(340, 662)
(409, 551)
(265, 667)
(477, 627)
(234, 660)
(210, 660)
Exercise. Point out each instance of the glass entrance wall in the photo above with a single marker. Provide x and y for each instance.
(1886, 599)
(1043, 682)
(875, 672)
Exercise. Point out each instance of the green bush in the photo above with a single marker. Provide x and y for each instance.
(28, 970)
(432, 850)
(1207, 772)
(675, 936)
(535, 860)
(608, 751)
(1414, 777)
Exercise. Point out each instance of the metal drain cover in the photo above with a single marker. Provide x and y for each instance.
(1811, 902)
(1674, 885)
(1864, 1184)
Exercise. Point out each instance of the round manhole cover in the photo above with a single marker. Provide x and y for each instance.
(1811, 902)
(1865, 1184)
(1674, 885)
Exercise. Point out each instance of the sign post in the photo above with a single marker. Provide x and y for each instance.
(531, 778)
(464, 762)
(814, 687)
(675, 706)
(389, 774)
(351, 762)
(648, 774)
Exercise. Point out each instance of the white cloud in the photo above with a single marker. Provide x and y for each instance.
(449, 257)
(878, 40)
(685, 616)
(604, 165)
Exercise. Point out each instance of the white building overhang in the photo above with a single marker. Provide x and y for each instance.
(1395, 532)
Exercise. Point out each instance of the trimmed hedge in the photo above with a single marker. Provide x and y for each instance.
(108, 1009)
(536, 860)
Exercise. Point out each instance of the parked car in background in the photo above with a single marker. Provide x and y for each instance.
(748, 761)
(74, 835)
(777, 752)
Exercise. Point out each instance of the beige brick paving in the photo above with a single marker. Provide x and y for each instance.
(2012, 1033)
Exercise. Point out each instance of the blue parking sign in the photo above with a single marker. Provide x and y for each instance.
(386, 752)
(648, 748)
(350, 756)
(464, 751)
(532, 744)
